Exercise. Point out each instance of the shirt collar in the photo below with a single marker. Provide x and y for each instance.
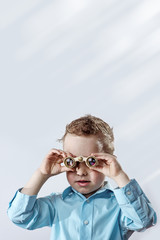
(68, 191)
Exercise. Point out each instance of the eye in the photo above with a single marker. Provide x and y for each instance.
(91, 162)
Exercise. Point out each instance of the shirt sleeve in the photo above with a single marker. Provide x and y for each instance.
(136, 210)
(29, 212)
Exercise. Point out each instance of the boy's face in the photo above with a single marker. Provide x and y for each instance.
(83, 179)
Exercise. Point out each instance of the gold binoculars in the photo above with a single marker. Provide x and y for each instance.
(71, 162)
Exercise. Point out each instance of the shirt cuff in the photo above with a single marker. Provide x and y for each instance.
(128, 193)
(28, 201)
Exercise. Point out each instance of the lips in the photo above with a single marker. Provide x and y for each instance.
(82, 183)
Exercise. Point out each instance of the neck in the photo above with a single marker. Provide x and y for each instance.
(91, 193)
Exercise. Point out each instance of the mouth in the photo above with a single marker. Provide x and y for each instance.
(82, 183)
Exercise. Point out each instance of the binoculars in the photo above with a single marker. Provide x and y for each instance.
(71, 162)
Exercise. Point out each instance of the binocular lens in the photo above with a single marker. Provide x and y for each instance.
(69, 162)
(91, 161)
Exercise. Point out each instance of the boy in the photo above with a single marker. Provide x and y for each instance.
(89, 209)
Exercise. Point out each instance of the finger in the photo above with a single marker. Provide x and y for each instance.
(100, 155)
(105, 157)
(59, 161)
(68, 154)
(103, 154)
(54, 158)
(101, 164)
(65, 169)
(57, 152)
(98, 168)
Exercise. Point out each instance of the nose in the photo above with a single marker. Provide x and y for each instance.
(81, 169)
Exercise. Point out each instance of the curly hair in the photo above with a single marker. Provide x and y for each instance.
(91, 125)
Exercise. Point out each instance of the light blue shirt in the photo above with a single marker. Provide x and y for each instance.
(109, 214)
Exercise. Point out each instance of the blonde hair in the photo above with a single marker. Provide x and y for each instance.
(91, 125)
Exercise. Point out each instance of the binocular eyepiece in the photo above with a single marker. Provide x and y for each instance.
(71, 162)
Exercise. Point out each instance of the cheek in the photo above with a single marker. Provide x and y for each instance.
(98, 177)
(70, 177)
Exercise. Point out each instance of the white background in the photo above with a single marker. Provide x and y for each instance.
(63, 59)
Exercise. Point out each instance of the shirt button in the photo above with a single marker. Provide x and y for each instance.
(87, 201)
(128, 193)
(86, 222)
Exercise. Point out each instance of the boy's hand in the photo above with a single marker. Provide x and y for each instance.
(51, 164)
(110, 167)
